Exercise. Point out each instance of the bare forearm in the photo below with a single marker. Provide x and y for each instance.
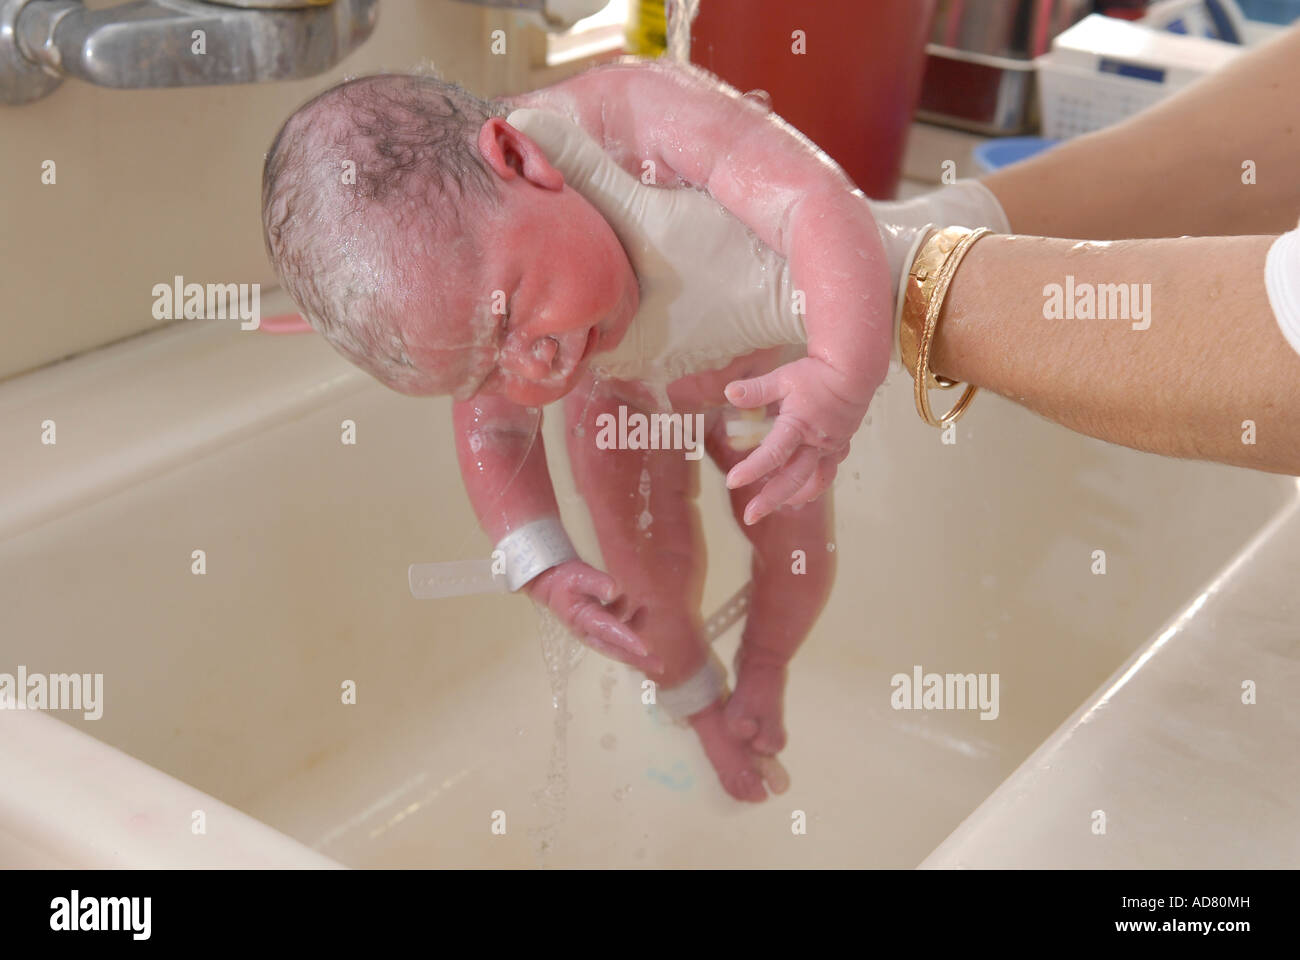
(1211, 358)
(1177, 168)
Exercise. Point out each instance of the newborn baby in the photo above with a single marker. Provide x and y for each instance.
(436, 245)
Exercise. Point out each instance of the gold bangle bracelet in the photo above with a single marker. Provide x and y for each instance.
(927, 285)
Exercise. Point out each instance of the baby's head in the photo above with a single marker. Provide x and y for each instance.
(436, 247)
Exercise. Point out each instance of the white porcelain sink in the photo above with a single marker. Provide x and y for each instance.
(976, 558)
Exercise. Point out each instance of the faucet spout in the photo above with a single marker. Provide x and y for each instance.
(173, 43)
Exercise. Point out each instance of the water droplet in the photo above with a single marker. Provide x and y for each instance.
(560, 653)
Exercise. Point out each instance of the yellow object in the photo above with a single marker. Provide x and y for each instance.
(746, 428)
(927, 284)
(647, 28)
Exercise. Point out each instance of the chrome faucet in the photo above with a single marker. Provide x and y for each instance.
(173, 43)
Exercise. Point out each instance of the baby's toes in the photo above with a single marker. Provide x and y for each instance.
(737, 768)
(755, 712)
(740, 719)
(775, 776)
(770, 739)
(745, 784)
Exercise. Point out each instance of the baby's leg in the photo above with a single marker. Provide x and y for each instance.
(789, 592)
(643, 506)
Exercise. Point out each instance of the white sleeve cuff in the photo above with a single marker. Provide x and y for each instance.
(1282, 279)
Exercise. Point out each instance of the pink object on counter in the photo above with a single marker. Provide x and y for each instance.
(285, 323)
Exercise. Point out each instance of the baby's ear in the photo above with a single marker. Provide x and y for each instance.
(510, 153)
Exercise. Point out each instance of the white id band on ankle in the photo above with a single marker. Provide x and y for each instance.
(533, 549)
(701, 689)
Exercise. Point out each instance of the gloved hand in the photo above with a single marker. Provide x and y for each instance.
(710, 291)
(695, 260)
(819, 409)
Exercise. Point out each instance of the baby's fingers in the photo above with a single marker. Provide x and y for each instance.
(779, 491)
(624, 609)
(821, 480)
(759, 391)
(649, 665)
(591, 581)
(604, 632)
(773, 453)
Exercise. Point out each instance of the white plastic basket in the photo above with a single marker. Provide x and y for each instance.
(1074, 100)
(1102, 71)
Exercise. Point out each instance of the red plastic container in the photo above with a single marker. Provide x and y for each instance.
(853, 90)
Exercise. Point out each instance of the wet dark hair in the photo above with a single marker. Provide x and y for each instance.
(342, 244)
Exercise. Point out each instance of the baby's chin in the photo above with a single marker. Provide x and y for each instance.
(542, 394)
(530, 393)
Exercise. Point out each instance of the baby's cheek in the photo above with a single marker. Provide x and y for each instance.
(472, 370)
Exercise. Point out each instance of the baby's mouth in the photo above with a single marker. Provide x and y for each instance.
(564, 368)
(592, 336)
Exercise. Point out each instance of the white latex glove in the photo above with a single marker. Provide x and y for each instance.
(696, 260)
(710, 290)
(904, 225)
(966, 203)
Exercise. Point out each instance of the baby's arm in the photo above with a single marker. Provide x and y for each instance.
(503, 465)
(797, 201)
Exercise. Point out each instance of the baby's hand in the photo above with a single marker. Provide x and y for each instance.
(821, 409)
(588, 602)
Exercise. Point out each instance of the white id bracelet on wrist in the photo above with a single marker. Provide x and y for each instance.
(533, 549)
(703, 687)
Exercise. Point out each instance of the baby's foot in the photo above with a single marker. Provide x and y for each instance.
(740, 770)
(755, 713)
